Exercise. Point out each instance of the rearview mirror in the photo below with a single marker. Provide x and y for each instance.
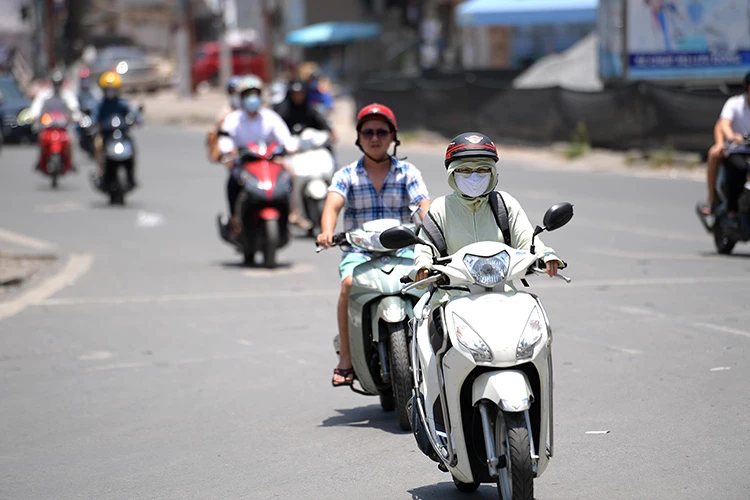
(557, 216)
(2, 99)
(398, 237)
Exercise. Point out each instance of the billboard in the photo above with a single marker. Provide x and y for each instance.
(687, 39)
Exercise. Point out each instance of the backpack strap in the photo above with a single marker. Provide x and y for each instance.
(433, 231)
(500, 211)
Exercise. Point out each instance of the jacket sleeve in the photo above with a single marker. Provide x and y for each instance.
(423, 253)
(522, 231)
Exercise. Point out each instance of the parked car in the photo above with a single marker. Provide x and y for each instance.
(15, 118)
(139, 72)
(245, 60)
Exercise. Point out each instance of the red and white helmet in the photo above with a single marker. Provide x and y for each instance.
(377, 110)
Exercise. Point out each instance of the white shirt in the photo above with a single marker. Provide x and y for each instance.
(737, 111)
(37, 108)
(266, 126)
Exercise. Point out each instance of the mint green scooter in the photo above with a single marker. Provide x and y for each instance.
(379, 336)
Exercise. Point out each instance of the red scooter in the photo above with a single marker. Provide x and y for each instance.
(55, 155)
(262, 206)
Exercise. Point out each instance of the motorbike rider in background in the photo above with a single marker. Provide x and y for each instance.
(111, 104)
(733, 123)
(296, 109)
(466, 215)
(253, 123)
(54, 98)
(376, 186)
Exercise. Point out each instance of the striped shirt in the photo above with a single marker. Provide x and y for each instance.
(403, 186)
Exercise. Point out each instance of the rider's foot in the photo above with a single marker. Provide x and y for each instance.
(706, 209)
(342, 376)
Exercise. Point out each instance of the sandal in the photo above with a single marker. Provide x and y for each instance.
(705, 209)
(343, 372)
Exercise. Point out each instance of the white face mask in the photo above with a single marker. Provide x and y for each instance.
(474, 184)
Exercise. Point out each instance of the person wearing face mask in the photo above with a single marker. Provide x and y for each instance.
(252, 123)
(468, 215)
(111, 104)
(376, 186)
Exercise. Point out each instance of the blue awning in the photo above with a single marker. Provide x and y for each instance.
(526, 12)
(333, 33)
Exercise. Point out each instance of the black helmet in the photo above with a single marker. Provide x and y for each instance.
(470, 144)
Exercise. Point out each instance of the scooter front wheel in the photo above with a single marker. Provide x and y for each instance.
(516, 479)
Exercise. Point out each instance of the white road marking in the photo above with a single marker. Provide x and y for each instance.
(147, 219)
(284, 271)
(58, 208)
(637, 230)
(95, 356)
(646, 255)
(643, 282)
(146, 299)
(721, 369)
(724, 329)
(118, 366)
(25, 241)
(597, 432)
(640, 311)
(245, 342)
(77, 266)
(611, 347)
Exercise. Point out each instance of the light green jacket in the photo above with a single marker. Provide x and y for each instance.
(465, 221)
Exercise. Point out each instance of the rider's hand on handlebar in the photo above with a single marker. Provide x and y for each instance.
(325, 239)
(552, 268)
(422, 274)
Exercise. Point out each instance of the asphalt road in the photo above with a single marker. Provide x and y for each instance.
(149, 364)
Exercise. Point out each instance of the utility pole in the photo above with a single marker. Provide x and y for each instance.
(268, 10)
(51, 21)
(225, 53)
(182, 45)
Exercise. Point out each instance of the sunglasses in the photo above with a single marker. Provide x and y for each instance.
(369, 133)
(466, 170)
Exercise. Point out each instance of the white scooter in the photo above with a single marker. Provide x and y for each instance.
(313, 166)
(482, 365)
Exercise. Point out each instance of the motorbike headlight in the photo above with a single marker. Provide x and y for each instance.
(472, 341)
(24, 117)
(488, 271)
(531, 335)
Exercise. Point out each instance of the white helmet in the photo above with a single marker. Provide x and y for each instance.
(249, 82)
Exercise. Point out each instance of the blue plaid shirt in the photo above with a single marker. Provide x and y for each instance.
(403, 185)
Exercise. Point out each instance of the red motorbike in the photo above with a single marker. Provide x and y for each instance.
(262, 206)
(55, 156)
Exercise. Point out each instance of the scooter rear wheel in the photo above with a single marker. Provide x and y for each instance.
(724, 245)
(465, 487)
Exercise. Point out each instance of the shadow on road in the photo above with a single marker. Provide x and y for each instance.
(257, 266)
(448, 491)
(365, 416)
